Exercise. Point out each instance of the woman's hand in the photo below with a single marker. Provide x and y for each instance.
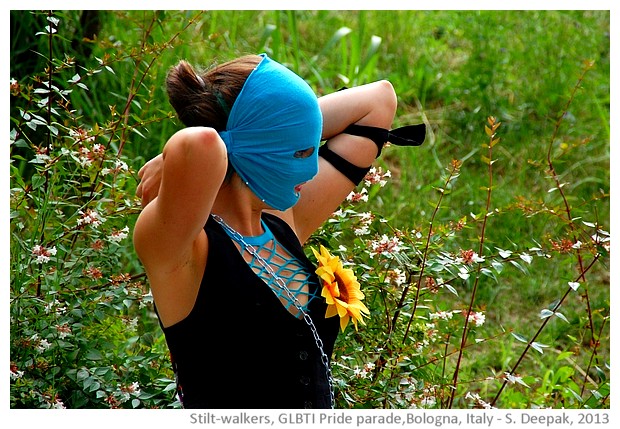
(150, 179)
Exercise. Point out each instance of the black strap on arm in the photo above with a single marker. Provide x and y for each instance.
(351, 171)
(410, 135)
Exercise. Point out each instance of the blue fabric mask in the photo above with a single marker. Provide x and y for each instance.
(275, 117)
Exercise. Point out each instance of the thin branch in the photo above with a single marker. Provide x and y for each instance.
(491, 132)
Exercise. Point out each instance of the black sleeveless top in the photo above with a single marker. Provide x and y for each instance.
(239, 347)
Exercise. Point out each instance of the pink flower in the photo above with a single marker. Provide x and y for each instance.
(64, 330)
(469, 257)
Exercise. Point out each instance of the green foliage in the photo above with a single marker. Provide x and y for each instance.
(485, 263)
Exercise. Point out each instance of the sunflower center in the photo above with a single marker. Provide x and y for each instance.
(342, 287)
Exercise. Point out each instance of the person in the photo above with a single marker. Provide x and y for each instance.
(227, 207)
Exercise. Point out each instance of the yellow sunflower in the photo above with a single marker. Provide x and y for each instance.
(341, 290)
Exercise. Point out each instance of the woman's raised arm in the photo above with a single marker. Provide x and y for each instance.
(373, 105)
(192, 170)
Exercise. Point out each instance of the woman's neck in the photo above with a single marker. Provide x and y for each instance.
(239, 208)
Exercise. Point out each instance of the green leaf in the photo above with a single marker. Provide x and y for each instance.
(82, 374)
(498, 266)
(564, 355)
(544, 313)
(135, 130)
(94, 355)
(37, 181)
(600, 373)
(170, 387)
(538, 347)
(575, 394)
(339, 34)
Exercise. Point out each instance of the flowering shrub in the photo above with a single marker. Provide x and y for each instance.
(83, 332)
(421, 286)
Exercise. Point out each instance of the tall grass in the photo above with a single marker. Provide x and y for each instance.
(515, 231)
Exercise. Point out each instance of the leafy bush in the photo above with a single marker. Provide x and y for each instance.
(82, 328)
(427, 326)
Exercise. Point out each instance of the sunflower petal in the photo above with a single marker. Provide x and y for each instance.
(331, 311)
(344, 321)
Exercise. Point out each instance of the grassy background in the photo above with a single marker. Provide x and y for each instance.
(450, 69)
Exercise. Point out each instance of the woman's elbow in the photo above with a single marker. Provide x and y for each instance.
(386, 103)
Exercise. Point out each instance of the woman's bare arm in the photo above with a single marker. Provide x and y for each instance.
(374, 105)
(192, 170)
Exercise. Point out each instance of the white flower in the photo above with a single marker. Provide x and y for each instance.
(63, 330)
(363, 230)
(443, 315)
(15, 374)
(601, 236)
(118, 236)
(360, 372)
(396, 276)
(476, 398)
(41, 254)
(515, 379)
(43, 345)
(385, 246)
(118, 167)
(134, 388)
(131, 323)
(428, 401)
(477, 318)
(55, 306)
(90, 217)
(376, 175)
(355, 197)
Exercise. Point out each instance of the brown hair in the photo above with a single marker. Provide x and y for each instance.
(205, 99)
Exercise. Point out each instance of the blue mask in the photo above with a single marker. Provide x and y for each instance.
(274, 122)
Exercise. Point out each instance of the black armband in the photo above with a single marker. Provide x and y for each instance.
(410, 135)
(351, 171)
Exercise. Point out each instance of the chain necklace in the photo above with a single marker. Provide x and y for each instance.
(290, 295)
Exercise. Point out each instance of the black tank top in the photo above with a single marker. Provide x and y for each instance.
(239, 347)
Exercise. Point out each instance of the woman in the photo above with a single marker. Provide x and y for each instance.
(227, 207)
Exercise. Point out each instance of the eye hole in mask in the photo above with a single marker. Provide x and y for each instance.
(304, 153)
